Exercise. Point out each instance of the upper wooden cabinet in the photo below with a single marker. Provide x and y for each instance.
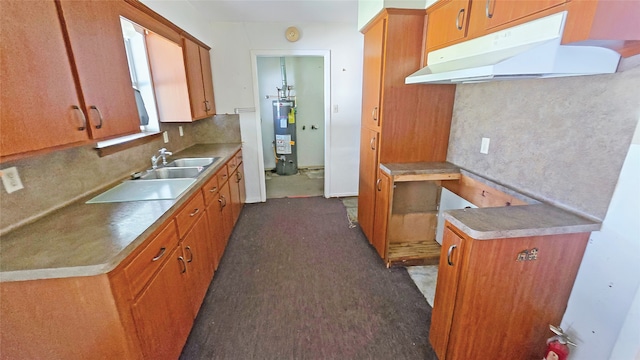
(447, 23)
(609, 24)
(40, 107)
(95, 37)
(199, 79)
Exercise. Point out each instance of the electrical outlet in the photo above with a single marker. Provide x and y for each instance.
(181, 130)
(165, 137)
(484, 147)
(11, 179)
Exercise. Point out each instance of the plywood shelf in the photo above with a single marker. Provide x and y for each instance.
(414, 253)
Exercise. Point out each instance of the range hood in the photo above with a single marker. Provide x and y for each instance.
(530, 50)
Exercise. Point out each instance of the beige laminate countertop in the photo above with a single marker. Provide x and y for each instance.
(90, 239)
(535, 219)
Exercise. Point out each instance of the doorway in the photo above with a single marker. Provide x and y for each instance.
(302, 77)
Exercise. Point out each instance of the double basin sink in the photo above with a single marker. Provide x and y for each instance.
(163, 183)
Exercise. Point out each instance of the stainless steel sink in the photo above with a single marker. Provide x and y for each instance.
(173, 173)
(135, 190)
(187, 162)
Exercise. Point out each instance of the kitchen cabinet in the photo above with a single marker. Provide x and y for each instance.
(531, 276)
(236, 186)
(197, 253)
(95, 40)
(34, 116)
(400, 123)
(406, 215)
(587, 23)
(199, 79)
(162, 313)
(447, 23)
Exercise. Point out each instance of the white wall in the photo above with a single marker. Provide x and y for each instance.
(233, 82)
(602, 315)
(305, 74)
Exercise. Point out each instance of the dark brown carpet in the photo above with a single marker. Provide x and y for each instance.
(297, 283)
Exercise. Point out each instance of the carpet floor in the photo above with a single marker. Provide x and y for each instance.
(297, 283)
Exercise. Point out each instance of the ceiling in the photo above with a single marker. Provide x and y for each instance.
(287, 11)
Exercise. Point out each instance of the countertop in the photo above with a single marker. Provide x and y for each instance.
(534, 219)
(91, 239)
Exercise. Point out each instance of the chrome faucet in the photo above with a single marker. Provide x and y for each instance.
(162, 154)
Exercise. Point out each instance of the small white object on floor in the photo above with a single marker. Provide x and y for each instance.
(425, 278)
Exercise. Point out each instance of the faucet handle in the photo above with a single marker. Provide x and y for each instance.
(154, 162)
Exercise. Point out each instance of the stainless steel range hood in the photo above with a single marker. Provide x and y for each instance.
(530, 50)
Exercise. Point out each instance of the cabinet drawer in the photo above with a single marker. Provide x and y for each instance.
(140, 270)
(223, 175)
(210, 189)
(189, 214)
(238, 158)
(232, 164)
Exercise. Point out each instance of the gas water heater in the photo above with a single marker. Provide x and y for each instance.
(284, 123)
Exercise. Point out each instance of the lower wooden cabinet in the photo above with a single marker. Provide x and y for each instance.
(162, 313)
(499, 296)
(199, 260)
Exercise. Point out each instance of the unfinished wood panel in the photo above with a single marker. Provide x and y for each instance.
(417, 253)
(412, 227)
(479, 194)
(413, 197)
(169, 79)
(38, 90)
(66, 318)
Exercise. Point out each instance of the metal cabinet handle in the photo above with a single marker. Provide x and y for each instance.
(93, 107)
(84, 118)
(458, 22)
(238, 176)
(160, 253)
(372, 143)
(206, 106)
(378, 184)
(188, 248)
(222, 201)
(374, 114)
(449, 254)
(487, 9)
(195, 212)
(184, 265)
(213, 189)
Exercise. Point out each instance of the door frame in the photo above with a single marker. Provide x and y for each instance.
(326, 54)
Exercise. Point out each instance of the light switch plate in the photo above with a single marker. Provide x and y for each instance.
(484, 146)
(165, 137)
(181, 130)
(11, 179)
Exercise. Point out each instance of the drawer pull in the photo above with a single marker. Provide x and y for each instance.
(84, 119)
(458, 22)
(238, 176)
(184, 265)
(195, 212)
(487, 10)
(223, 201)
(374, 114)
(160, 254)
(93, 107)
(188, 248)
(372, 143)
(378, 184)
(449, 254)
(213, 189)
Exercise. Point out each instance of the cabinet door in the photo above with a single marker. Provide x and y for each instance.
(200, 263)
(446, 290)
(195, 82)
(216, 231)
(381, 218)
(447, 24)
(39, 103)
(162, 313)
(374, 40)
(234, 187)
(243, 187)
(227, 214)
(488, 14)
(95, 36)
(207, 81)
(368, 170)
